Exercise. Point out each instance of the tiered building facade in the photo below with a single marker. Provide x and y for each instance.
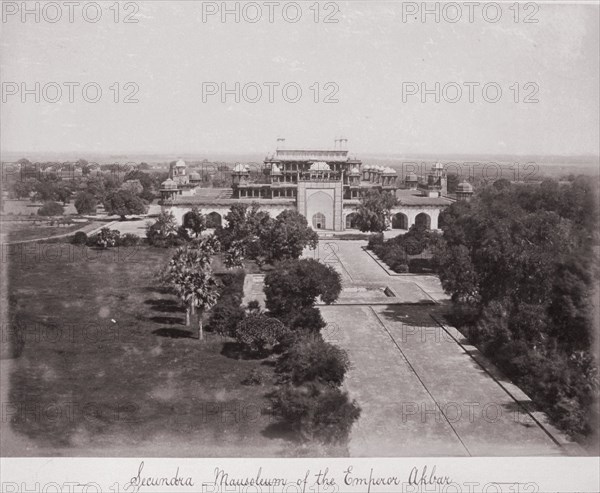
(324, 185)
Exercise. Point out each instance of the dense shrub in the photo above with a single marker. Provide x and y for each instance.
(225, 316)
(374, 240)
(79, 238)
(312, 359)
(129, 239)
(107, 238)
(259, 334)
(228, 312)
(51, 209)
(421, 265)
(394, 256)
(397, 252)
(316, 411)
(305, 319)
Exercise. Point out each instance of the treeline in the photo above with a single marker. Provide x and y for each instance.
(308, 397)
(88, 190)
(520, 263)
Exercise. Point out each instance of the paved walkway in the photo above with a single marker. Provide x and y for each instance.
(421, 392)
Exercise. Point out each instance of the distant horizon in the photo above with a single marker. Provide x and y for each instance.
(7, 156)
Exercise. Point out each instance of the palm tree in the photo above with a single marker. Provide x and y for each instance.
(189, 273)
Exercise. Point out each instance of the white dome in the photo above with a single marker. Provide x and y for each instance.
(320, 166)
(464, 187)
(168, 183)
(355, 171)
(240, 168)
(180, 164)
(389, 171)
(275, 170)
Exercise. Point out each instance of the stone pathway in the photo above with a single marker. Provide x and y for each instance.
(421, 392)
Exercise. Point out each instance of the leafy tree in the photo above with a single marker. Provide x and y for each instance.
(134, 186)
(457, 273)
(51, 209)
(195, 222)
(452, 182)
(521, 258)
(63, 193)
(287, 236)
(22, 189)
(374, 211)
(112, 182)
(234, 256)
(164, 232)
(95, 186)
(85, 203)
(312, 359)
(46, 191)
(501, 184)
(228, 312)
(259, 333)
(124, 203)
(296, 284)
(243, 231)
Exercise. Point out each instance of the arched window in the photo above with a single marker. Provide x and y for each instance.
(423, 220)
(351, 220)
(318, 221)
(399, 221)
(213, 220)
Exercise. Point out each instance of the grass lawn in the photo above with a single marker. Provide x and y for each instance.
(22, 232)
(418, 315)
(15, 231)
(85, 385)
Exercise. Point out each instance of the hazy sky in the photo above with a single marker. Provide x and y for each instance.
(368, 55)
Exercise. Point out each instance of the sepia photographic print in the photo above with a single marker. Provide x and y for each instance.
(299, 246)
